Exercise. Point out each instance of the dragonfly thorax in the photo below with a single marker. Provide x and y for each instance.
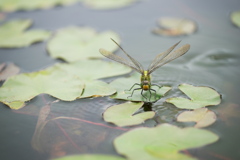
(145, 81)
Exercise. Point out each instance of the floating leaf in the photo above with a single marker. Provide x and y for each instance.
(202, 116)
(75, 43)
(122, 86)
(90, 157)
(122, 114)
(8, 70)
(14, 5)
(96, 69)
(23, 87)
(235, 18)
(63, 81)
(93, 69)
(162, 142)
(175, 26)
(107, 4)
(94, 88)
(12, 34)
(200, 97)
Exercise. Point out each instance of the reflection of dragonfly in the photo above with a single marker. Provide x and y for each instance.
(159, 60)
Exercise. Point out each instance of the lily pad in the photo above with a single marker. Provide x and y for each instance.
(63, 81)
(95, 88)
(77, 43)
(162, 142)
(90, 157)
(107, 4)
(122, 114)
(12, 34)
(93, 69)
(202, 116)
(23, 87)
(235, 18)
(8, 70)
(122, 86)
(199, 97)
(15, 5)
(170, 26)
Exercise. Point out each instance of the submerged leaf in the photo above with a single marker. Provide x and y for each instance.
(76, 43)
(235, 17)
(23, 87)
(14, 5)
(123, 85)
(90, 157)
(122, 114)
(43, 114)
(202, 116)
(107, 4)
(162, 142)
(229, 113)
(12, 34)
(175, 26)
(200, 97)
(8, 70)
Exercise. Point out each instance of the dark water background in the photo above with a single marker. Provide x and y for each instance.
(213, 60)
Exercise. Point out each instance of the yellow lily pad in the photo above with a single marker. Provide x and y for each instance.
(169, 26)
(202, 116)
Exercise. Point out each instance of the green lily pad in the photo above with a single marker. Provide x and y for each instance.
(123, 85)
(107, 4)
(162, 142)
(14, 5)
(23, 87)
(199, 97)
(63, 81)
(93, 69)
(202, 116)
(95, 88)
(90, 157)
(12, 34)
(77, 43)
(170, 26)
(122, 114)
(235, 18)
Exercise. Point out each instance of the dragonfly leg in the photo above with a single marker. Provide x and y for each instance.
(142, 94)
(133, 92)
(159, 86)
(150, 94)
(153, 91)
(133, 86)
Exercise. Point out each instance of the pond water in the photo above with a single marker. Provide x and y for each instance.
(213, 60)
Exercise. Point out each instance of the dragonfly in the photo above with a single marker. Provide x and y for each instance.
(159, 60)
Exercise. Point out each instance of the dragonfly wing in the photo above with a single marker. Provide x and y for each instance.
(118, 59)
(173, 55)
(160, 56)
(135, 62)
